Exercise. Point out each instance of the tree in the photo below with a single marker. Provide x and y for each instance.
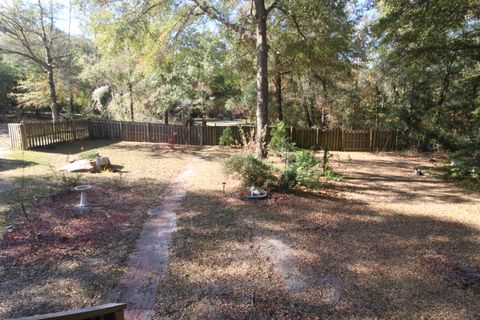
(427, 57)
(28, 30)
(8, 81)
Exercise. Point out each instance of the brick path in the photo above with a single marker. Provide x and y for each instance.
(147, 265)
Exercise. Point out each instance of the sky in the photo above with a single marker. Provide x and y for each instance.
(63, 19)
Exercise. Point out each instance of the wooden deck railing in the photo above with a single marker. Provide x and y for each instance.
(111, 311)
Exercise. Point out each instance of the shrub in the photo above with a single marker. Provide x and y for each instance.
(63, 181)
(288, 179)
(307, 169)
(464, 168)
(280, 141)
(327, 171)
(227, 138)
(252, 171)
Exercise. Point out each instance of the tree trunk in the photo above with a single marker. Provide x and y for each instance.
(308, 116)
(278, 87)
(262, 76)
(165, 117)
(130, 90)
(53, 95)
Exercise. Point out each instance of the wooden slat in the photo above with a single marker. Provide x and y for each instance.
(112, 311)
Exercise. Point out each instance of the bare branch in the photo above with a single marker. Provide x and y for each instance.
(10, 51)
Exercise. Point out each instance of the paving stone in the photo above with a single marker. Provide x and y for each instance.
(147, 264)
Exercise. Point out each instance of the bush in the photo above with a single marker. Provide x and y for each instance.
(288, 179)
(252, 171)
(280, 141)
(307, 169)
(227, 138)
(464, 169)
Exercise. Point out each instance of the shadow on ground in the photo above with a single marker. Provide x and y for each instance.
(389, 265)
(11, 164)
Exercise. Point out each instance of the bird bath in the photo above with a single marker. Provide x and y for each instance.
(83, 194)
(254, 194)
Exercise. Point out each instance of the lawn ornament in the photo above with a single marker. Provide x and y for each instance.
(417, 172)
(83, 194)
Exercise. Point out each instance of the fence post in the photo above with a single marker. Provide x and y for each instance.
(371, 140)
(343, 139)
(23, 132)
(74, 130)
(148, 132)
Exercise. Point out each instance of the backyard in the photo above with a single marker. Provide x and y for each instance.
(379, 243)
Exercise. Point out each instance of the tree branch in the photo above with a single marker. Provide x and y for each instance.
(273, 6)
(294, 19)
(9, 51)
(213, 13)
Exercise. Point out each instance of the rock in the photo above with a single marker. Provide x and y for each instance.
(78, 166)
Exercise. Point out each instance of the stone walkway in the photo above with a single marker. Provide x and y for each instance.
(147, 265)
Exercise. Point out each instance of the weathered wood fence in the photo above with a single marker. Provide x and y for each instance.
(29, 135)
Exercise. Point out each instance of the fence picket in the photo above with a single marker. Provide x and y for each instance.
(29, 135)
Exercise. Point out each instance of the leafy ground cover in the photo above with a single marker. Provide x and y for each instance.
(380, 243)
(78, 256)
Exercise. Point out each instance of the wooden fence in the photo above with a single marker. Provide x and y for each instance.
(337, 140)
(28, 135)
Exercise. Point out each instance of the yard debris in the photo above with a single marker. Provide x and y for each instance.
(78, 166)
(99, 163)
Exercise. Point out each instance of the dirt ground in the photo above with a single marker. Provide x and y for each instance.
(379, 244)
(78, 256)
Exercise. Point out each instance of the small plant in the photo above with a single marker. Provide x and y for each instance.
(304, 169)
(63, 180)
(307, 169)
(227, 138)
(327, 170)
(252, 171)
(280, 140)
(88, 155)
(288, 179)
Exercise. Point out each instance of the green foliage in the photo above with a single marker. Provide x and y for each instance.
(8, 80)
(252, 171)
(307, 169)
(288, 179)
(88, 155)
(280, 140)
(227, 138)
(327, 170)
(101, 96)
(63, 181)
(464, 168)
